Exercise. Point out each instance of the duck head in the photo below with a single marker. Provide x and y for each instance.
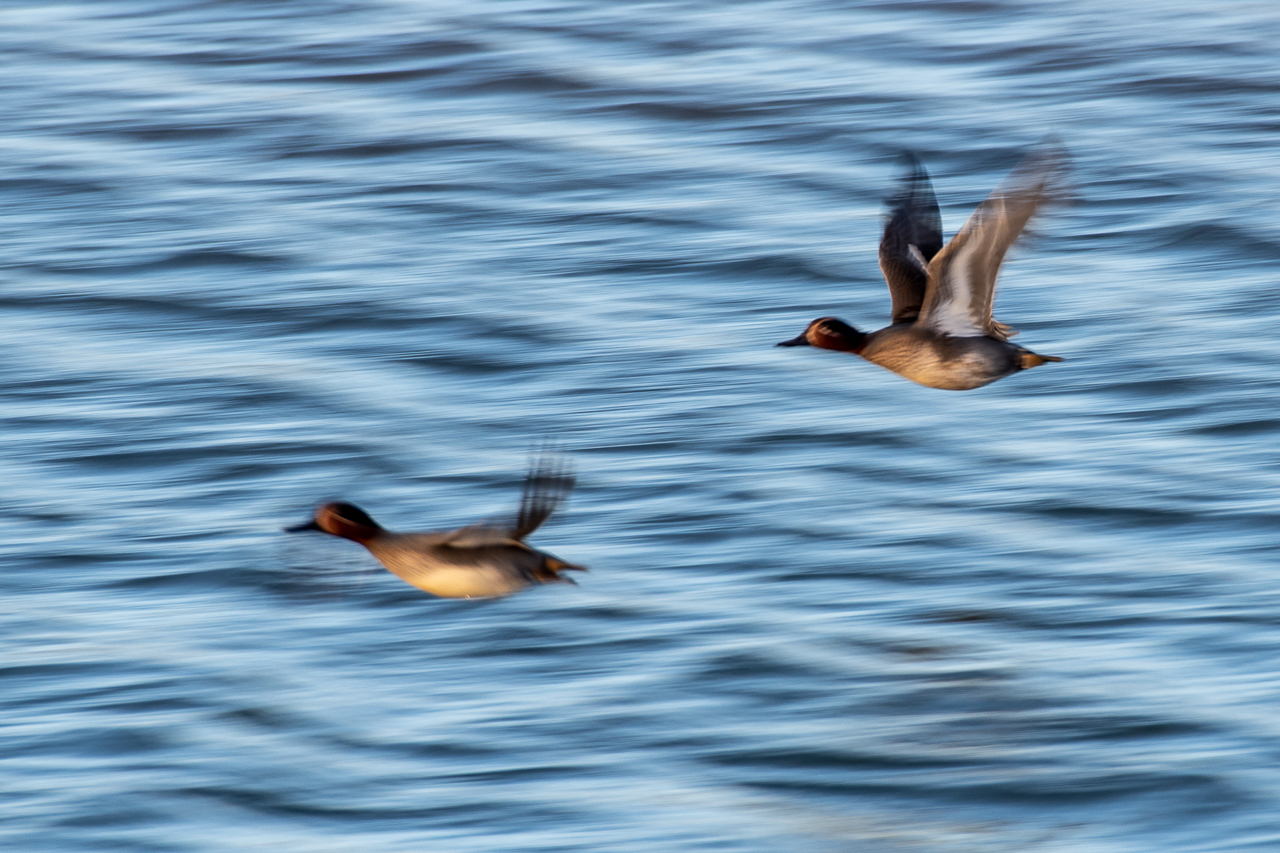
(829, 333)
(346, 520)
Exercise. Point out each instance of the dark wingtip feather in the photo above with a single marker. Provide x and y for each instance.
(913, 217)
(548, 483)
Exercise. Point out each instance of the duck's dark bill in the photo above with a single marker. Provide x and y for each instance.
(794, 342)
(310, 525)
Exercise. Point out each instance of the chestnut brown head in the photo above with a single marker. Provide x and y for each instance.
(341, 519)
(829, 333)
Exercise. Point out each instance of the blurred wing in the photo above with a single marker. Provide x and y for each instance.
(912, 236)
(481, 535)
(962, 277)
(548, 483)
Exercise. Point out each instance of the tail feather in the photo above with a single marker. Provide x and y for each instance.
(551, 568)
(555, 564)
(1031, 359)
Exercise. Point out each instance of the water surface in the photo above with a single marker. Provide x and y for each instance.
(258, 255)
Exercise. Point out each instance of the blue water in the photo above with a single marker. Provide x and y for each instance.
(258, 255)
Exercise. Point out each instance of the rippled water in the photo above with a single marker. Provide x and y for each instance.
(256, 255)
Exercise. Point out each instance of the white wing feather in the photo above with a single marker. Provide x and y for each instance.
(962, 277)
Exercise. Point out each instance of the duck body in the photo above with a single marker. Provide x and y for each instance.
(484, 564)
(942, 361)
(485, 560)
(942, 334)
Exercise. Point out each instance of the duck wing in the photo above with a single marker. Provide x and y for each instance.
(912, 236)
(548, 483)
(962, 277)
(482, 535)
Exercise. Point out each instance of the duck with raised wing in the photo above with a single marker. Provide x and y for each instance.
(943, 334)
(484, 560)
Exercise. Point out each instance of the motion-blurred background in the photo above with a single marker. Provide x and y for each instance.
(261, 254)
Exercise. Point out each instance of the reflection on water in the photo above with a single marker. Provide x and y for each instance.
(259, 255)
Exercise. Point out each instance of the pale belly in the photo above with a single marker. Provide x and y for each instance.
(965, 364)
(464, 583)
(471, 579)
(963, 375)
